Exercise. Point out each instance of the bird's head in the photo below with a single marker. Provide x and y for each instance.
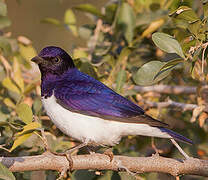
(53, 60)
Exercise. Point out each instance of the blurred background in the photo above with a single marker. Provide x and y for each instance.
(26, 19)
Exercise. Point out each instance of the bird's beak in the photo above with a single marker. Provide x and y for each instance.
(37, 60)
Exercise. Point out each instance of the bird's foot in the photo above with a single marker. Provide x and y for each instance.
(68, 154)
(109, 153)
(48, 150)
(157, 151)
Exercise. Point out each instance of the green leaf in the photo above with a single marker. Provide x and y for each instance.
(198, 29)
(110, 12)
(4, 22)
(78, 53)
(169, 66)
(9, 103)
(51, 21)
(87, 68)
(69, 17)
(2, 73)
(5, 173)
(185, 13)
(85, 31)
(171, 63)
(126, 21)
(3, 118)
(20, 140)
(5, 45)
(145, 76)
(37, 106)
(205, 8)
(195, 27)
(14, 96)
(24, 112)
(120, 80)
(167, 43)
(180, 23)
(29, 88)
(70, 21)
(18, 75)
(88, 8)
(29, 127)
(7, 83)
(3, 8)
(124, 53)
(27, 52)
(196, 54)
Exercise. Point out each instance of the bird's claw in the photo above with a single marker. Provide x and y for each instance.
(157, 151)
(69, 158)
(109, 153)
(67, 154)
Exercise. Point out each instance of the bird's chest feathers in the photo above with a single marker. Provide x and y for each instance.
(79, 126)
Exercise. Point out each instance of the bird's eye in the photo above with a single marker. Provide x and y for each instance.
(56, 59)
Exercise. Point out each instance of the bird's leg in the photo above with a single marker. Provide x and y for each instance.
(66, 153)
(109, 152)
(70, 151)
(157, 151)
(179, 148)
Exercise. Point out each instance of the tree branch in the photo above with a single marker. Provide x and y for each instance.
(172, 104)
(155, 163)
(167, 89)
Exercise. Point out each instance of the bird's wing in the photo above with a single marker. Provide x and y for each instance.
(91, 97)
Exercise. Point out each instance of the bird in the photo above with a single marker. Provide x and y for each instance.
(89, 111)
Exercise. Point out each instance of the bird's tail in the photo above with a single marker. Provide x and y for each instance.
(176, 136)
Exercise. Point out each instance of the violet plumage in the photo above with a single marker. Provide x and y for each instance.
(86, 109)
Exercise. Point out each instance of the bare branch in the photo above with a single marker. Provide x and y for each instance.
(172, 104)
(166, 89)
(155, 163)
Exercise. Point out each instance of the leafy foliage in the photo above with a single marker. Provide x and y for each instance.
(129, 43)
(5, 173)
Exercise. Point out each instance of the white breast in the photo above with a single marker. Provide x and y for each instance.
(89, 128)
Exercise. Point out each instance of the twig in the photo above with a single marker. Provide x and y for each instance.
(2, 147)
(167, 89)
(6, 64)
(96, 35)
(48, 161)
(172, 104)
